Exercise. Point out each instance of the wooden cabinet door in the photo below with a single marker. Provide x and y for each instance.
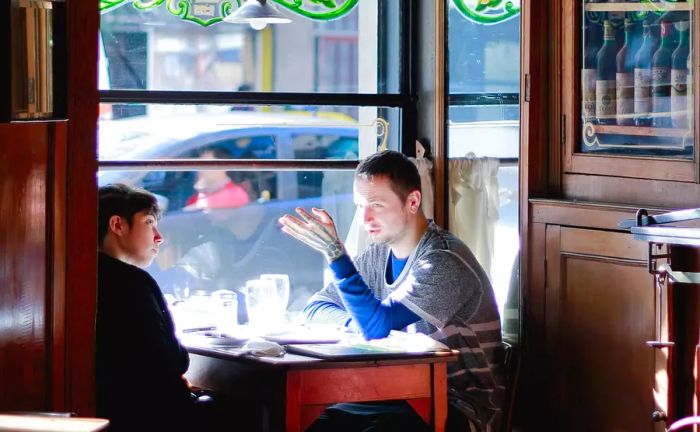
(600, 312)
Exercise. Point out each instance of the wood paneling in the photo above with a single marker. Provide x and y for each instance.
(24, 360)
(81, 207)
(440, 119)
(600, 313)
(56, 272)
(533, 178)
(640, 192)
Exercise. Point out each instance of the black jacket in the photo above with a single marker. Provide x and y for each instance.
(139, 361)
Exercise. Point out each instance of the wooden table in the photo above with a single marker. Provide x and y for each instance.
(295, 389)
(48, 423)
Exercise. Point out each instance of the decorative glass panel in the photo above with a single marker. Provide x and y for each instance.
(636, 78)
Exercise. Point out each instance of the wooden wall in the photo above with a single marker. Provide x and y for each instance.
(24, 310)
(48, 240)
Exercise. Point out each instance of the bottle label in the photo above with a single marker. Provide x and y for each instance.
(642, 91)
(588, 93)
(679, 98)
(661, 96)
(679, 82)
(605, 104)
(625, 98)
(661, 81)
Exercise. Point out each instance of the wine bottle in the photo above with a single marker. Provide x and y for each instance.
(642, 78)
(624, 79)
(605, 103)
(661, 79)
(679, 78)
(588, 73)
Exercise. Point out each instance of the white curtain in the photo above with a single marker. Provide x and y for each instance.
(474, 204)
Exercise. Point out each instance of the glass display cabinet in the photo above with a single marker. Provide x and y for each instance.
(633, 101)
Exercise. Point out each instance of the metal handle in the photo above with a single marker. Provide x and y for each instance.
(660, 279)
(658, 416)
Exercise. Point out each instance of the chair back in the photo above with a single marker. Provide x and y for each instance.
(511, 364)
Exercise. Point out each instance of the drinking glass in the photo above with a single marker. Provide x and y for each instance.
(282, 292)
(261, 302)
(225, 305)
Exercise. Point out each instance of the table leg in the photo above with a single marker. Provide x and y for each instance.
(293, 402)
(439, 396)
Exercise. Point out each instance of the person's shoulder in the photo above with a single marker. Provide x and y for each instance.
(438, 242)
(119, 271)
(440, 239)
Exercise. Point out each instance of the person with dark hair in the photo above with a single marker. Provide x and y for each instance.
(139, 361)
(415, 277)
(214, 189)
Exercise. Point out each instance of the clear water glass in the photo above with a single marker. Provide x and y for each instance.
(263, 304)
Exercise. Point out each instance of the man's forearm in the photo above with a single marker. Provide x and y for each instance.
(374, 318)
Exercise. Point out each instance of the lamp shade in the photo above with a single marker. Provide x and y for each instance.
(257, 13)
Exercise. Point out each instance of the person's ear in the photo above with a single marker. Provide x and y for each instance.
(118, 225)
(413, 201)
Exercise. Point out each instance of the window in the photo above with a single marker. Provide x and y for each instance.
(483, 141)
(232, 128)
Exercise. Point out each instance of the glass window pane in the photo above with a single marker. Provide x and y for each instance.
(636, 71)
(245, 132)
(484, 57)
(492, 131)
(215, 239)
(156, 50)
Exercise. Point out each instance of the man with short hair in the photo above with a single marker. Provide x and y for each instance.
(139, 361)
(415, 276)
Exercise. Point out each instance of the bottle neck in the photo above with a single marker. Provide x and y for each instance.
(665, 34)
(609, 35)
(628, 36)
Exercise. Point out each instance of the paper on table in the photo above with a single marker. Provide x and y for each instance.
(400, 341)
(214, 338)
(308, 334)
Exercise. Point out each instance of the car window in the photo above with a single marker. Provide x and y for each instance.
(178, 186)
(320, 146)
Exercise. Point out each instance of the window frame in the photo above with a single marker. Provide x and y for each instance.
(405, 100)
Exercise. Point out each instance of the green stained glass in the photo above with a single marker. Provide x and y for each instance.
(488, 11)
(208, 12)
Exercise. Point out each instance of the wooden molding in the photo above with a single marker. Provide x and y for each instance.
(81, 207)
(439, 167)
